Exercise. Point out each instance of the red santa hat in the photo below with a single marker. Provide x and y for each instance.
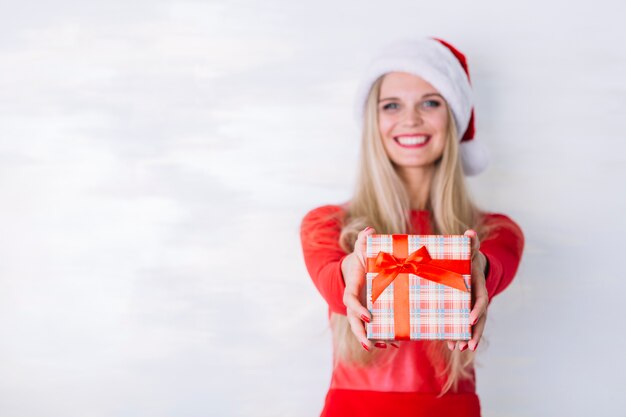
(445, 67)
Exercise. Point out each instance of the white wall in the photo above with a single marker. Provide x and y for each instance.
(152, 154)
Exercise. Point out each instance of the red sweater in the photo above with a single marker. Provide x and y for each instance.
(408, 385)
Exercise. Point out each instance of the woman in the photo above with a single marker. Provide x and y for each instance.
(417, 144)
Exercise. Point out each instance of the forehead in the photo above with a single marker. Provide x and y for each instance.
(405, 83)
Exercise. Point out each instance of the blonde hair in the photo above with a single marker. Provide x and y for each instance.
(381, 200)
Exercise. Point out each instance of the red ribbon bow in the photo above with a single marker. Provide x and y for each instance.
(442, 271)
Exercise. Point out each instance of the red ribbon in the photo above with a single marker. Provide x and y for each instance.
(443, 271)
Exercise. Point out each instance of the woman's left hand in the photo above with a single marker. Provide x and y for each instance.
(478, 315)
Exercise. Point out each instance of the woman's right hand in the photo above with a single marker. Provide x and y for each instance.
(353, 269)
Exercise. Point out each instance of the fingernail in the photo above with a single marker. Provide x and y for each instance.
(394, 345)
(365, 318)
(464, 347)
(474, 321)
(381, 345)
(367, 228)
(475, 347)
(365, 346)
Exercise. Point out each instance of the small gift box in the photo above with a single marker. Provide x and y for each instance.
(419, 287)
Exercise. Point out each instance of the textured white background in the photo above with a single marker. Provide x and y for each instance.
(152, 153)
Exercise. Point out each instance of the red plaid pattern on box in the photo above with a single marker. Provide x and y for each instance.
(437, 312)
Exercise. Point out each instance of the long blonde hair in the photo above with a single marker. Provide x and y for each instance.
(382, 201)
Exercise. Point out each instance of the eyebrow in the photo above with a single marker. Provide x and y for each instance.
(424, 96)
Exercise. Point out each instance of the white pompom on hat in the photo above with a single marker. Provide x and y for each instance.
(443, 66)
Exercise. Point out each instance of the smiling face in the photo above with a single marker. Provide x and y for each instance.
(413, 119)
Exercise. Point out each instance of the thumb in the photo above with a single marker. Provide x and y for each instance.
(360, 246)
(471, 233)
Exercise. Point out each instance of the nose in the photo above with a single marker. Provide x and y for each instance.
(413, 117)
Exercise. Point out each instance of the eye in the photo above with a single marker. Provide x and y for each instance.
(431, 103)
(390, 106)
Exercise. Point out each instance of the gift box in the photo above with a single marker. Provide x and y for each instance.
(419, 287)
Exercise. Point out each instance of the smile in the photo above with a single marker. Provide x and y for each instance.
(415, 141)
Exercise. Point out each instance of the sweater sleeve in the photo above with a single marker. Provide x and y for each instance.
(503, 248)
(319, 234)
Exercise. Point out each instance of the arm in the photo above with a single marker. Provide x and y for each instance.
(494, 263)
(503, 247)
(319, 235)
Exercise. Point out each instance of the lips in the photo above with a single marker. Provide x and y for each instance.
(412, 141)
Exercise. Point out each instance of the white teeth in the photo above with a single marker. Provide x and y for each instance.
(411, 140)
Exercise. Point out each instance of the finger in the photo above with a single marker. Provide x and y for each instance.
(477, 332)
(353, 304)
(458, 344)
(480, 306)
(359, 331)
(471, 233)
(355, 285)
(360, 246)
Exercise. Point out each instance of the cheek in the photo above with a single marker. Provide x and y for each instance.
(385, 124)
(440, 120)
(440, 123)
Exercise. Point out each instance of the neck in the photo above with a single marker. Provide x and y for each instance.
(417, 181)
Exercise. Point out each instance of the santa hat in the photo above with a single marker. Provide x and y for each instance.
(445, 67)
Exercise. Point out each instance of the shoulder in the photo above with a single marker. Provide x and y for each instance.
(499, 218)
(321, 226)
(324, 215)
(499, 225)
